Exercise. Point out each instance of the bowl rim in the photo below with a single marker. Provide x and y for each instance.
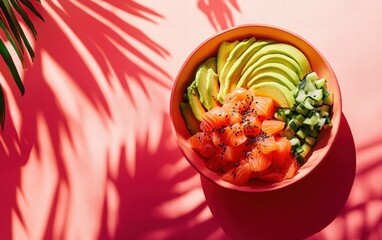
(212, 176)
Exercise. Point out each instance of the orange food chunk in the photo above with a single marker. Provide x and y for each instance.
(272, 127)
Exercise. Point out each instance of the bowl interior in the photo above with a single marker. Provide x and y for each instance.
(209, 48)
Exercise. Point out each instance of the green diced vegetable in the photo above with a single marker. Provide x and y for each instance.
(310, 140)
(318, 103)
(312, 77)
(307, 129)
(293, 125)
(288, 133)
(299, 119)
(316, 94)
(301, 85)
(324, 110)
(328, 121)
(295, 91)
(314, 119)
(300, 160)
(300, 134)
(301, 109)
(308, 105)
(321, 83)
(320, 123)
(314, 133)
(308, 121)
(310, 86)
(300, 96)
(306, 147)
(295, 142)
(328, 98)
(280, 115)
(287, 112)
(298, 150)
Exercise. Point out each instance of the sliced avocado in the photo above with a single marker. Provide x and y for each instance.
(233, 56)
(269, 58)
(234, 72)
(212, 83)
(271, 77)
(279, 93)
(225, 49)
(278, 68)
(193, 124)
(201, 80)
(193, 99)
(285, 49)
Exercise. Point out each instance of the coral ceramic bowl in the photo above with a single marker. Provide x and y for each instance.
(208, 49)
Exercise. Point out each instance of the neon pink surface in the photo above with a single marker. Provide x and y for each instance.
(88, 151)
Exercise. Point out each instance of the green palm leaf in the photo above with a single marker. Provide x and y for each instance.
(10, 25)
(2, 110)
(30, 6)
(15, 45)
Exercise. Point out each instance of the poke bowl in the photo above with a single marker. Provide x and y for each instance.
(268, 38)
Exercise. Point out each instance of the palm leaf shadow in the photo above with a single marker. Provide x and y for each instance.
(68, 23)
(143, 195)
(219, 12)
(368, 166)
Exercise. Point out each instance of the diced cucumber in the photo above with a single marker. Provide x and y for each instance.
(313, 113)
(293, 125)
(300, 134)
(328, 98)
(328, 121)
(301, 109)
(310, 100)
(298, 150)
(324, 110)
(318, 103)
(300, 160)
(310, 140)
(280, 115)
(287, 111)
(308, 121)
(288, 133)
(314, 119)
(300, 96)
(310, 86)
(312, 76)
(299, 119)
(308, 105)
(316, 94)
(307, 130)
(306, 149)
(295, 142)
(314, 133)
(321, 83)
(295, 91)
(301, 85)
(320, 123)
(313, 102)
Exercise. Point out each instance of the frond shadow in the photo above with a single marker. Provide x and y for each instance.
(99, 52)
(219, 12)
(358, 209)
(142, 197)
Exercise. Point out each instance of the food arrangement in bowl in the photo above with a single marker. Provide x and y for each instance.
(255, 106)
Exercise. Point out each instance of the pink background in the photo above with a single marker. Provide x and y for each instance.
(88, 152)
